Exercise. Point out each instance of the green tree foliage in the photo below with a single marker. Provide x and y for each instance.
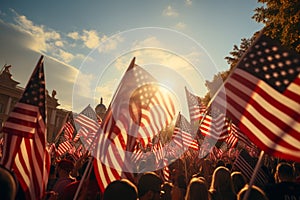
(281, 19)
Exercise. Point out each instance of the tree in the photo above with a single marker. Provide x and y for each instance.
(237, 52)
(282, 20)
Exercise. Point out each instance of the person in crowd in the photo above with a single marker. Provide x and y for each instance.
(221, 186)
(63, 169)
(296, 166)
(52, 178)
(238, 181)
(206, 170)
(8, 185)
(166, 191)
(220, 163)
(149, 186)
(120, 189)
(179, 188)
(285, 186)
(89, 188)
(197, 189)
(254, 194)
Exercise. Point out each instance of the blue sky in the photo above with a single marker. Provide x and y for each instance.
(89, 44)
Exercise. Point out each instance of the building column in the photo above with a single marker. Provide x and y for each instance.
(7, 109)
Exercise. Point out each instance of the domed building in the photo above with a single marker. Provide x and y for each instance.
(100, 109)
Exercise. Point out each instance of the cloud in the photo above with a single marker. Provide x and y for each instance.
(59, 44)
(150, 41)
(188, 2)
(180, 26)
(90, 38)
(170, 12)
(106, 91)
(40, 38)
(74, 35)
(108, 44)
(84, 84)
(65, 56)
(19, 53)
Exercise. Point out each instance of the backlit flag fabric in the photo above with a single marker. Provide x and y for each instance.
(262, 97)
(138, 110)
(64, 147)
(232, 138)
(68, 131)
(25, 137)
(215, 127)
(196, 108)
(182, 134)
(87, 118)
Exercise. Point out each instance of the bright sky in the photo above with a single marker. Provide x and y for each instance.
(89, 44)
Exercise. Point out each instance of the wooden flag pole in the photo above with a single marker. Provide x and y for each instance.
(255, 172)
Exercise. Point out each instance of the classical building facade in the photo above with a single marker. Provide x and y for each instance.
(10, 93)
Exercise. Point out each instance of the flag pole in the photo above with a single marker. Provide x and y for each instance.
(231, 72)
(62, 127)
(255, 172)
(131, 65)
(87, 173)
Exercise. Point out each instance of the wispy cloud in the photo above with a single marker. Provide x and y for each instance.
(180, 26)
(188, 2)
(106, 91)
(169, 11)
(108, 44)
(42, 39)
(150, 41)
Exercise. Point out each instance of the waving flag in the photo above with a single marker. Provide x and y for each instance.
(196, 108)
(25, 137)
(262, 97)
(88, 119)
(215, 127)
(138, 110)
(68, 131)
(64, 147)
(182, 134)
(232, 138)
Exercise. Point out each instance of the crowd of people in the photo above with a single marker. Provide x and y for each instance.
(214, 180)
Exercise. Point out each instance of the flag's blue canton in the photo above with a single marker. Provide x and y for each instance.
(90, 113)
(270, 62)
(183, 124)
(34, 93)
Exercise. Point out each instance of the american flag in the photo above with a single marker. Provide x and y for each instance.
(246, 164)
(236, 134)
(64, 147)
(88, 119)
(25, 149)
(138, 110)
(215, 127)
(182, 134)
(166, 171)
(196, 108)
(232, 138)
(68, 131)
(87, 138)
(262, 97)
